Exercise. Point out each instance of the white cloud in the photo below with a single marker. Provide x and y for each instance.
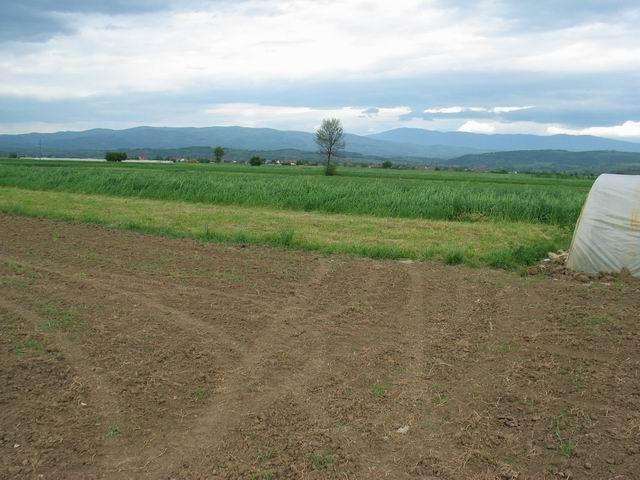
(299, 40)
(244, 43)
(592, 47)
(473, 126)
(490, 126)
(445, 110)
(509, 109)
(459, 109)
(356, 119)
(627, 130)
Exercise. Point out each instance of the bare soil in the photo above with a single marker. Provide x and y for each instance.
(131, 356)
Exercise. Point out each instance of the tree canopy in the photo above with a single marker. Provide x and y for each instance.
(330, 139)
(218, 153)
(115, 156)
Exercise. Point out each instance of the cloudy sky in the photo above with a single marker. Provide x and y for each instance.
(495, 66)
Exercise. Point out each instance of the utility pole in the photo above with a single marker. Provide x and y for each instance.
(40, 147)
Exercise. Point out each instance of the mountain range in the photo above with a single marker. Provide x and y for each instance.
(398, 143)
(504, 142)
(556, 161)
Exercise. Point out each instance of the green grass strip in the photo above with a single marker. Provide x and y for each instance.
(502, 244)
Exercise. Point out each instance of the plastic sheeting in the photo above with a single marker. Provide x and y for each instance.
(607, 236)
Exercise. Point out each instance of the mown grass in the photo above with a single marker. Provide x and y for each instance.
(501, 244)
(399, 194)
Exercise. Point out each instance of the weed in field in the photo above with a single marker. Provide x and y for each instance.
(31, 346)
(521, 255)
(198, 394)
(16, 282)
(596, 320)
(231, 277)
(503, 346)
(587, 320)
(22, 278)
(566, 447)
(284, 238)
(342, 426)
(57, 318)
(320, 461)
(454, 258)
(379, 391)
(388, 252)
(621, 284)
(440, 395)
(263, 475)
(266, 455)
(425, 424)
(19, 269)
(113, 431)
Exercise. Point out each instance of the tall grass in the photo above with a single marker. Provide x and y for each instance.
(554, 180)
(442, 196)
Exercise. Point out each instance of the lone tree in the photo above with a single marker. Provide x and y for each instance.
(218, 153)
(330, 140)
(115, 156)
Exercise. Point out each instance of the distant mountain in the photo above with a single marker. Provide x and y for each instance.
(98, 140)
(162, 137)
(504, 142)
(552, 161)
(403, 145)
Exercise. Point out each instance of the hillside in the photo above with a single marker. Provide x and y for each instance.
(552, 161)
(504, 142)
(240, 138)
(559, 153)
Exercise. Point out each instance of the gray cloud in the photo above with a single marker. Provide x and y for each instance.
(39, 20)
(548, 14)
(369, 112)
(574, 98)
(23, 23)
(575, 101)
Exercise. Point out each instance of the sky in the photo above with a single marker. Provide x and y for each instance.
(488, 66)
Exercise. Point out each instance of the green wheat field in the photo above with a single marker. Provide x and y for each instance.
(500, 220)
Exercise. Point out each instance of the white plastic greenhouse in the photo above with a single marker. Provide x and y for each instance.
(607, 236)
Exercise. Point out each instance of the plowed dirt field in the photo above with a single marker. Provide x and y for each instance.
(131, 356)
